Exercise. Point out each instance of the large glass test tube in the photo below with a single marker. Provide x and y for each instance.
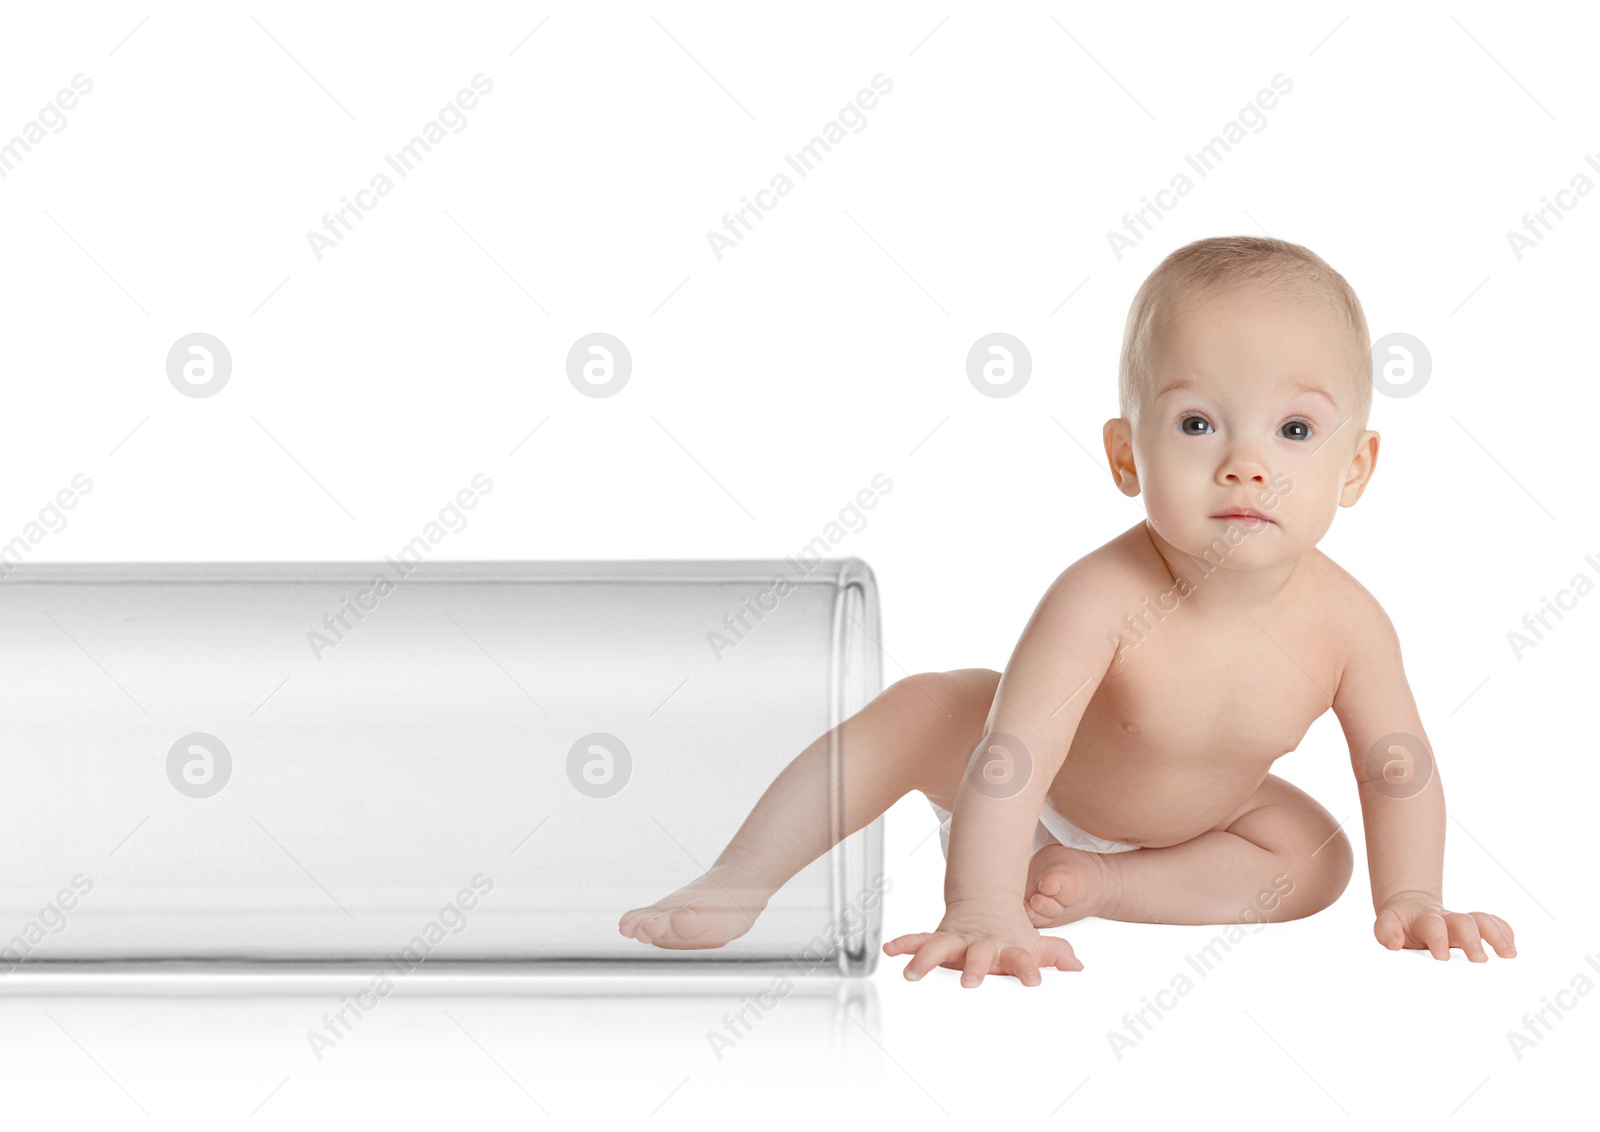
(441, 766)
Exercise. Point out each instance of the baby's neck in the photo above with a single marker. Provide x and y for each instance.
(1220, 589)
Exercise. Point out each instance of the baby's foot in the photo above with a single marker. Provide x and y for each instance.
(1064, 885)
(708, 912)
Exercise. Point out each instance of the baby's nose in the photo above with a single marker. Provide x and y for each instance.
(1244, 466)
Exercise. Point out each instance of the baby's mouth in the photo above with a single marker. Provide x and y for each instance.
(1244, 515)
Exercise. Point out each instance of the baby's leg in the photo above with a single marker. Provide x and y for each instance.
(919, 734)
(1280, 857)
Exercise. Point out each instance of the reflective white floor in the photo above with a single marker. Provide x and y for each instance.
(1310, 1021)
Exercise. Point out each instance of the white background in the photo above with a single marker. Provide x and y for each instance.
(767, 389)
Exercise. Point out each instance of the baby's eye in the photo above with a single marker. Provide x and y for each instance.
(1204, 429)
(1296, 430)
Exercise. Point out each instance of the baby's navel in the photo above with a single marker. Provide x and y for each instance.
(1131, 727)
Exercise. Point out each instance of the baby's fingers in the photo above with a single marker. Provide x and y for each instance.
(905, 944)
(980, 958)
(1057, 952)
(1389, 930)
(1497, 933)
(1019, 961)
(1464, 934)
(1433, 933)
(936, 949)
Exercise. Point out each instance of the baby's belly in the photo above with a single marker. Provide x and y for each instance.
(1154, 806)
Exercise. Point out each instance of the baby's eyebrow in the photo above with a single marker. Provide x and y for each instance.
(1307, 387)
(1302, 387)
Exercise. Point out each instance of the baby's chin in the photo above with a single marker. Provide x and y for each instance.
(1236, 543)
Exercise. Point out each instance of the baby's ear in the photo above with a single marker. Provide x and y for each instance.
(1118, 438)
(1360, 470)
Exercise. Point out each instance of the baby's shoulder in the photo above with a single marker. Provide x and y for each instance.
(1346, 603)
(1117, 574)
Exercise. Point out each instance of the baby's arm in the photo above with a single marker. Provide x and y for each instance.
(1063, 653)
(1402, 801)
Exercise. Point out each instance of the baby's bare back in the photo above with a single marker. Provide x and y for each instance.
(1189, 719)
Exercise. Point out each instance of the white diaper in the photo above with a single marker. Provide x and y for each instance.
(1053, 828)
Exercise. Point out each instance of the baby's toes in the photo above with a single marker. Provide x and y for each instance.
(632, 925)
(1042, 908)
(689, 922)
(686, 925)
(1065, 883)
(656, 925)
(631, 921)
(625, 925)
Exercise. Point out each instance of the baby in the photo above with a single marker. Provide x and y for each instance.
(1120, 766)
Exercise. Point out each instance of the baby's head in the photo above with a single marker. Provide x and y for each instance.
(1245, 383)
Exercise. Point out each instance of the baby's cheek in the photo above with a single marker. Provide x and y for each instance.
(1176, 499)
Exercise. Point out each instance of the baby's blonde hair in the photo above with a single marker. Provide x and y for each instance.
(1225, 261)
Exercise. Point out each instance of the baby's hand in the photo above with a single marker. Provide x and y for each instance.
(984, 939)
(1416, 920)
